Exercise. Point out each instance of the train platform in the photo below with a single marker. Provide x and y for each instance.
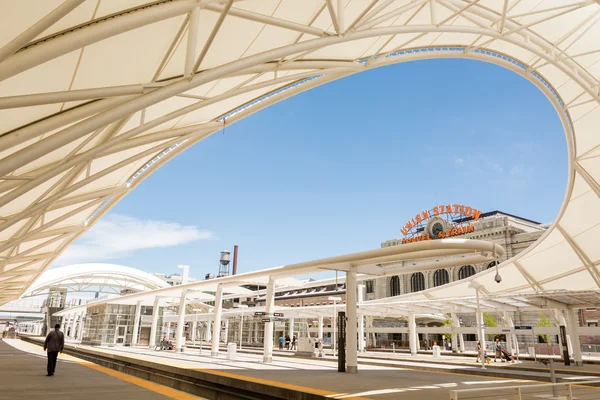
(380, 379)
(23, 376)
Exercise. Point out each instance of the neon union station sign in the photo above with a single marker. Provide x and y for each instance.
(440, 222)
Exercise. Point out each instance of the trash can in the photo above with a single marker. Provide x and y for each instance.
(436, 352)
(231, 351)
(531, 351)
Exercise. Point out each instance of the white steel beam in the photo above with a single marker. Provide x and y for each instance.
(190, 54)
(38, 28)
(252, 16)
(212, 35)
(71, 41)
(391, 14)
(29, 100)
(334, 17)
(589, 264)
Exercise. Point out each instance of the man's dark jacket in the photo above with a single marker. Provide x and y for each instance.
(55, 341)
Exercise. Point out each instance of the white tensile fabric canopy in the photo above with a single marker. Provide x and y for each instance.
(97, 94)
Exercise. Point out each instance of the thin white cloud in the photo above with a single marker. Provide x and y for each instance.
(496, 167)
(459, 161)
(516, 170)
(117, 236)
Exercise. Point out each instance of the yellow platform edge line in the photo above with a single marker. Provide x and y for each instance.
(155, 387)
(282, 385)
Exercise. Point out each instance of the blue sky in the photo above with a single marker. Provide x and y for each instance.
(341, 168)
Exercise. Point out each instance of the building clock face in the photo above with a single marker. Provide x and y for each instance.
(436, 228)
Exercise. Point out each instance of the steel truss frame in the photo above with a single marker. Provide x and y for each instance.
(97, 124)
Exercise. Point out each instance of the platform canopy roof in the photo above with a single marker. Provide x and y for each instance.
(94, 277)
(95, 95)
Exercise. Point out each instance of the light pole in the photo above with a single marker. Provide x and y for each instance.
(242, 306)
(335, 299)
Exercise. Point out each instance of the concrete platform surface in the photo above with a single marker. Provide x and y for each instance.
(23, 376)
(372, 382)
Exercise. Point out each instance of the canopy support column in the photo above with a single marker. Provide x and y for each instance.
(562, 321)
(361, 321)
(458, 341)
(320, 334)
(194, 327)
(152, 342)
(226, 332)
(574, 335)
(179, 332)
(269, 305)
(291, 331)
(81, 322)
(511, 338)
(351, 323)
(480, 331)
(412, 333)
(216, 331)
(136, 323)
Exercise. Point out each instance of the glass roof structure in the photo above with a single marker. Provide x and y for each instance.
(95, 95)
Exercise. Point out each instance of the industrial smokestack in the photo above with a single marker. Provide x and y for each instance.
(235, 255)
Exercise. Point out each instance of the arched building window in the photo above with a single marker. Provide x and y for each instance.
(466, 271)
(417, 282)
(395, 286)
(492, 264)
(440, 277)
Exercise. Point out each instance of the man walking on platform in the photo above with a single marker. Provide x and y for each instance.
(55, 342)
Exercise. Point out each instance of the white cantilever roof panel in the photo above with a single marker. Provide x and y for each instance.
(95, 95)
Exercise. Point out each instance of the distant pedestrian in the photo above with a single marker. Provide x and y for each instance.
(294, 343)
(280, 342)
(498, 348)
(287, 342)
(55, 343)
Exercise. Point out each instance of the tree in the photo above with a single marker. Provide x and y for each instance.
(489, 320)
(447, 322)
(543, 323)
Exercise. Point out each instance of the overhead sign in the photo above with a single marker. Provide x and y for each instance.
(523, 328)
(260, 313)
(440, 222)
(454, 209)
(277, 314)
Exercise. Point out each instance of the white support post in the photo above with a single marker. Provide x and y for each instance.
(574, 336)
(511, 342)
(179, 332)
(413, 338)
(320, 327)
(351, 323)
(63, 323)
(155, 310)
(256, 332)
(208, 331)
(168, 334)
(136, 323)
(218, 311)
(226, 333)
(81, 323)
(68, 325)
(194, 328)
(361, 321)
(291, 330)
(563, 321)
(458, 342)
(480, 331)
(269, 305)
